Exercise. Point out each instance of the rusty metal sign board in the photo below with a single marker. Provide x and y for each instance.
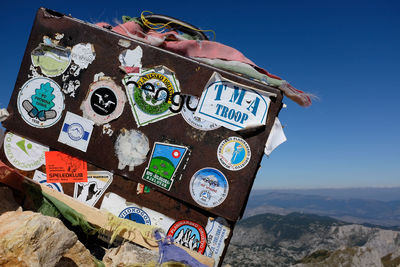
(188, 130)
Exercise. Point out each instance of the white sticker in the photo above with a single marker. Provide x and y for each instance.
(194, 121)
(22, 153)
(131, 60)
(90, 192)
(150, 94)
(232, 105)
(234, 153)
(40, 102)
(217, 232)
(131, 211)
(83, 55)
(209, 187)
(76, 131)
(41, 178)
(131, 148)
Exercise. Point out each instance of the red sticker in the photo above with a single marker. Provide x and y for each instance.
(62, 168)
(176, 154)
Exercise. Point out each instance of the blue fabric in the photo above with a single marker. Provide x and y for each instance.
(169, 252)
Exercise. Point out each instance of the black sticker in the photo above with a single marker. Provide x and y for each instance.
(103, 101)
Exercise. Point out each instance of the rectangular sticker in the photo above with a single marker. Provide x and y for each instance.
(63, 168)
(76, 131)
(91, 191)
(232, 105)
(217, 231)
(164, 162)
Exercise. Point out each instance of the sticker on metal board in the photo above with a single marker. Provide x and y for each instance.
(22, 153)
(189, 234)
(131, 148)
(40, 102)
(234, 153)
(76, 131)
(131, 60)
(91, 191)
(192, 120)
(52, 59)
(150, 94)
(63, 168)
(209, 187)
(232, 105)
(164, 162)
(217, 232)
(41, 178)
(104, 102)
(131, 211)
(83, 55)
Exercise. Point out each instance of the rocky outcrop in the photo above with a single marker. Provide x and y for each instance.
(130, 254)
(78, 255)
(31, 239)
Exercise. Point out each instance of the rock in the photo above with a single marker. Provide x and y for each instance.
(7, 202)
(78, 255)
(31, 239)
(130, 254)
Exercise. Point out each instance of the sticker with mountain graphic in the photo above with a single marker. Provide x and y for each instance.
(91, 191)
(164, 162)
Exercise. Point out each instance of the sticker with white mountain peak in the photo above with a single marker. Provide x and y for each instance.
(90, 192)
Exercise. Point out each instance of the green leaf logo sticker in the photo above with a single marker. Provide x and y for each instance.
(40, 102)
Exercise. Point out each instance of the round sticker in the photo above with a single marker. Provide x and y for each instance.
(189, 234)
(135, 214)
(40, 102)
(22, 153)
(194, 121)
(105, 102)
(234, 153)
(209, 187)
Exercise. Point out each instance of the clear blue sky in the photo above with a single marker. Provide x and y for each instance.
(345, 52)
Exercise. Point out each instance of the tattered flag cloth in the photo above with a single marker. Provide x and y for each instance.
(211, 50)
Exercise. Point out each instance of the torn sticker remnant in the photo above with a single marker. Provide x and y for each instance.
(131, 148)
(83, 55)
(131, 60)
(52, 59)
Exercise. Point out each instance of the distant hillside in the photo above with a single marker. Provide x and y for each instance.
(310, 240)
(352, 210)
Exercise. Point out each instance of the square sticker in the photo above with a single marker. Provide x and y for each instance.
(63, 168)
(76, 131)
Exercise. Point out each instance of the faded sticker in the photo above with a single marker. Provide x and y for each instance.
(217, 232)
(164, 162)
(234, 153)
(131, 211)
(131, 148)
(76, 131)
(41, 178)
(40, 102)
(91, 191)
(141, 188)
(131, 60)
(63, 168)
(150, 94)
(188, 111)
(83, 55)
(52, 59)
(209, 187)
(189, 234)
(22, 153)
(104, 102)
(232, 105)
(107, 129)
